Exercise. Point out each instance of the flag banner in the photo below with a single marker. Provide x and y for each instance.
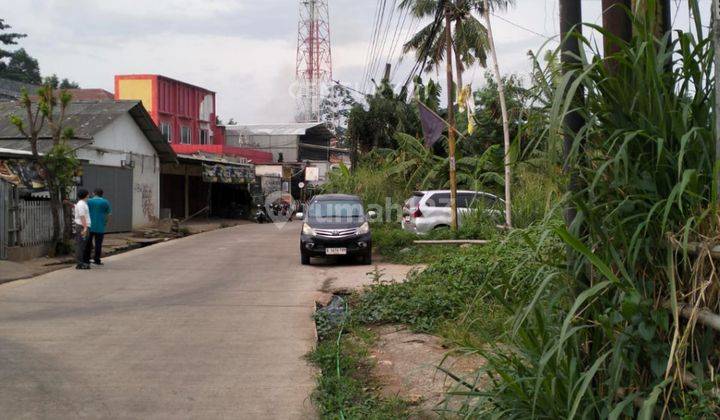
(466, 102)
(432, 125)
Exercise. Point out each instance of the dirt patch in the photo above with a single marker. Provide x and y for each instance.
(406, 366)
(347, 278)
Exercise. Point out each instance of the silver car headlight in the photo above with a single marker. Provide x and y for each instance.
(364, 229)
(307, 230)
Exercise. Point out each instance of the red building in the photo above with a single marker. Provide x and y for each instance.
(185, 113)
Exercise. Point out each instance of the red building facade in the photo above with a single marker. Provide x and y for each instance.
(185, 113)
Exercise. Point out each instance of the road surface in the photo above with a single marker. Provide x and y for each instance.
(211, 326)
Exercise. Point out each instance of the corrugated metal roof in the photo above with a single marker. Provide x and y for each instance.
(44, 145)
(91, 95)
(5, 152)
(13, 89)
(292, 129)
(209, 159)
(86, 118)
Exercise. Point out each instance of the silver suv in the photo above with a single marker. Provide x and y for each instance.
(428, 210)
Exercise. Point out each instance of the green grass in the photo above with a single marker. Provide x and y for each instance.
(346, 388)
(396, 246)
(462, 284)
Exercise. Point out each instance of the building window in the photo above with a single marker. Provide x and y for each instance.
(204, 136)
(166, 131)
(185, 135)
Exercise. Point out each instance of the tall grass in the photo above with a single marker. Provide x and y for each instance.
(604, 338)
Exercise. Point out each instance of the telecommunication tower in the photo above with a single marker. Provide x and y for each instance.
(314, 59)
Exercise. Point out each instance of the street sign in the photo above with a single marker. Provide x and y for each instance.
(312, 174)
(301, 185)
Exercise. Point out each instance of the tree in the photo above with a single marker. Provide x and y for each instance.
(22, 67)
(65, 83)
(7, 38)
(470, 42)
(428, 94)
(56, 83)
(335, 110)
(58, 165)
(386, 114)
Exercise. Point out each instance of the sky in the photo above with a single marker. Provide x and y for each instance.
(245, 50)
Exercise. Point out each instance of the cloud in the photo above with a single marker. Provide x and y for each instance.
(242, 49)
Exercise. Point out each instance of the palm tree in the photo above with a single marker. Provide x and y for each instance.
(470, 42)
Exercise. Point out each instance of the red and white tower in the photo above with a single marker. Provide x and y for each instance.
(314, 58)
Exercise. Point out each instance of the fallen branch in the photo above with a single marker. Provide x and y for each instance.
(703, 315)
(452, 242)
(695, 248)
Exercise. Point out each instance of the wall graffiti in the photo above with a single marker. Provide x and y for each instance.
(148, 201)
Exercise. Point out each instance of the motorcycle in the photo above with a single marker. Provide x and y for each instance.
(261, 215)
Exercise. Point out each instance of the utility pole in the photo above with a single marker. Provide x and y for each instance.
(506, 122)
(570, 29)
(451, 118)
(617, 22)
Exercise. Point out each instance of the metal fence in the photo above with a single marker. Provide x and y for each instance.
(23, 223)
(5, 191)
(35, 225)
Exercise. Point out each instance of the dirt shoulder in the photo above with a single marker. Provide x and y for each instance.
(405, 363)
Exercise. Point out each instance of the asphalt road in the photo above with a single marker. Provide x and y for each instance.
(211, 326)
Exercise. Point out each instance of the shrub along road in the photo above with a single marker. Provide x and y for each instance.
(214, 325)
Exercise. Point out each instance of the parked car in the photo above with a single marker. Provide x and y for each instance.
(335, 225)
(428, 210)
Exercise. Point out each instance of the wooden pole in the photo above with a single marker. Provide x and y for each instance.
(506, 121)
(451, 118)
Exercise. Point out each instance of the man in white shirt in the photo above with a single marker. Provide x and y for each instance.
(81, 228)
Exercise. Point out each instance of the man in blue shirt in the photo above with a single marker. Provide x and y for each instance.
(100, 212)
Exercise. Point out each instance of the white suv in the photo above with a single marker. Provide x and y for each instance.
(428, 210)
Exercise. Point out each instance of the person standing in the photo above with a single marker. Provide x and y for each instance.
(81, 228)
(100, 213)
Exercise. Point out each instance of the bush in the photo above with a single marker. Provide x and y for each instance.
(462, 281)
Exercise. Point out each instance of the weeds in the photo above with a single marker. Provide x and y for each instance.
(462, 283)
(603, 339)
(346, 389)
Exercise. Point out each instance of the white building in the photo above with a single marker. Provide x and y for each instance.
(121, 150)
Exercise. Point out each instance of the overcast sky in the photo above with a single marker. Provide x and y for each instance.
(242, 49)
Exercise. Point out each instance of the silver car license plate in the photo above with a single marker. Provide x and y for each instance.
(335, 251)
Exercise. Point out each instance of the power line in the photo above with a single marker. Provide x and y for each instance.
(372, 40)
(423, 55)
(381, 44)
(378, 64)
(517, 25)
(371, 46)
(376, 47)
(399, 33)
(413, 27)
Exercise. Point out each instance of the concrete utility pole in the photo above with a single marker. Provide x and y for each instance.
(451, 118)
(506, 122)
(617, 22)
(570, 26)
